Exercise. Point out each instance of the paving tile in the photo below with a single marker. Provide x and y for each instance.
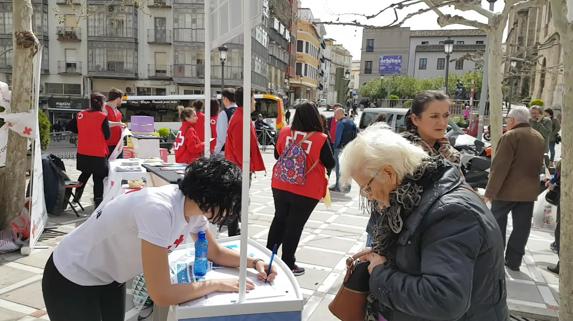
(321, 313)
(311, 279)
(12, 275)
(343, 232)
(29, 295)
(317, 257)
(523, 292)
(9, 315)
(37, 259)
(352, 220)
(329, 242)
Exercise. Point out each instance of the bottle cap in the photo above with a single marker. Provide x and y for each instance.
(202, 235)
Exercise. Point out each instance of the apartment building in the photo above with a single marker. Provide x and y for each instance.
(419, 53)
(339, 57)
(306, 82)
(153, 48)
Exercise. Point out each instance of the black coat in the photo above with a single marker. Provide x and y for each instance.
(449, 260)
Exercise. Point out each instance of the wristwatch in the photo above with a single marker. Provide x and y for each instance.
(255, 262)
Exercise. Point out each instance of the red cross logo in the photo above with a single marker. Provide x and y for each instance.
(80, 116)
(179, 140)
(27, 131)
(177, 242)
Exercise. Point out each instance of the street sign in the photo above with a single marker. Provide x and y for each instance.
(390, 65)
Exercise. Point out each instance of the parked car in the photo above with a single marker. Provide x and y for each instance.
(395, 117)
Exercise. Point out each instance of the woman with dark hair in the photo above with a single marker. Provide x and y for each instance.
(92, 128)
(555, 128)
(299, 179)
(85, 277)
(427, 122)
(199, 125)
(188, 146)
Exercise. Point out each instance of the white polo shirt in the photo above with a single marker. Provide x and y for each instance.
(107, 247)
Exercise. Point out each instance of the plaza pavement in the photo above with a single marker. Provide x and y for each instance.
(330, 235)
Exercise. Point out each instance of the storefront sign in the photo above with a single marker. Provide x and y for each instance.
(68, 103)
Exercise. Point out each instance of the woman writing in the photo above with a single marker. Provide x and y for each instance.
(188, 146)
(298, 189)
(85, 277)
(92, 128)
(437, 250)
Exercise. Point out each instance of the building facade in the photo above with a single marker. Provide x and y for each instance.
(418, 53)
(339, 57)
(155, 48)
(306, 82)
(534, 46)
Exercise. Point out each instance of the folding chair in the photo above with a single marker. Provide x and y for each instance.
(69, 186)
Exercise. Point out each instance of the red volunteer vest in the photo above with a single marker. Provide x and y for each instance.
(234, 143)
(91, 141)
(113, 115)
(188, 147)
(199, 126)
(332, 132)
(316, 181)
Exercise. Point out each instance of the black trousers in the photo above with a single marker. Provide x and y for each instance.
(521, 214)
(98, 183)
(558, 229)
(68, 301)
(291, 213)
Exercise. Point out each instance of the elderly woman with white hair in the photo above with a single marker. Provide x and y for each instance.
(437, 250)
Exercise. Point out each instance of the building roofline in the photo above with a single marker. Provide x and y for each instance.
(447, 32)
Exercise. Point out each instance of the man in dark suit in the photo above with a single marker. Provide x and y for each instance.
(514, 181)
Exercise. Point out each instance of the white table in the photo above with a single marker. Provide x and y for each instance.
(113, 186)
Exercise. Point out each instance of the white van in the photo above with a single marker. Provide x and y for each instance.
(395, 118)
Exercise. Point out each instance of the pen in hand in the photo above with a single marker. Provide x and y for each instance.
(271, 261)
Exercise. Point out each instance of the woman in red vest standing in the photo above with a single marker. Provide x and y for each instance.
(297, 195)
(188, 146)
(199, 125)
(92, 128)
(114, 118)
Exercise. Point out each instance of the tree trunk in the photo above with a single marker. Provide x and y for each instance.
(25, 44)
(495, 78)
(565, 29)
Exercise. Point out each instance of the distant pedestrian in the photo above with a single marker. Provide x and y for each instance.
(188, 146)
(555, 128)
(555, 185)
(541, 124)
(114, 116)
(331, 123)
(92, 128)
(346, 131)
(199, 126)
(297, 193)
(223, 119)
(287, 115)
(514, 181)
(467, 112)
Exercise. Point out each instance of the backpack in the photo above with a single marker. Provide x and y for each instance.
(291, 165)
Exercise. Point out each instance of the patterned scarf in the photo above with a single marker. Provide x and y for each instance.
(442, 147)
(403, 201)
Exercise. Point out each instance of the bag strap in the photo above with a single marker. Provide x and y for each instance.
(352, 259)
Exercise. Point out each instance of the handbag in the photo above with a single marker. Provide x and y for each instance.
(349, 304)
(553, 196)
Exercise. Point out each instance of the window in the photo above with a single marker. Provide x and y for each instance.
(369, 45)
(441, 63)
(368, 67)
(307, 47)
(6, 22)
(423, 64)
(299, 69)
(479, 42)
(441, 42)
(72, 89)
(460, 42)
(299, 46)
(460, 64)
(63, 89)
(425, 42)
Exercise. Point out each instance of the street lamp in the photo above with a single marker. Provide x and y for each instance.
(223, 57)
(448, 49)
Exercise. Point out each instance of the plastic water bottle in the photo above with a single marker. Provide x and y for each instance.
(201, 264)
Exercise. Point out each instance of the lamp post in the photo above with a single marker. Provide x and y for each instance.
(448, 49)
(223, 58)
(512, 65)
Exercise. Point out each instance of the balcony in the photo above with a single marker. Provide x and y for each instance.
(159, 36)
(69, 68)
(114, 69)
(189, 71)
(110, 32)
(195, 73)
(231, 72)
(159, 71)
(69, 34)
(69, 2)
(159, 3)
(189, 35)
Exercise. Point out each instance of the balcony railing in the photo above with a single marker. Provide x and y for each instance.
(66, 67)
(159, 71)
(198, 71)
(114, 69)
(68, 2)
(160, 3)
(109, 31)
(160, 36)
(68, 34)
(189, 34)
(231, 72)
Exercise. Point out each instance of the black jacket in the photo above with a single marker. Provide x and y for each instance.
(449, 260)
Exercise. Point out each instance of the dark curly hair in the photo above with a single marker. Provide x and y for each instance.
(420, 104)
(215, 185)
(307, 118)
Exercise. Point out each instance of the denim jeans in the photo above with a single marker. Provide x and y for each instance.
(552, 151)
(337, 166)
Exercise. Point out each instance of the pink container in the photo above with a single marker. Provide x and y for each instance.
(163, 153)
(142, 124)
(128, 152)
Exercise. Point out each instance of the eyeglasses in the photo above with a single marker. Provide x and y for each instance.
(367, 189)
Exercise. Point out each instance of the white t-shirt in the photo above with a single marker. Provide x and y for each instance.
(107, 247)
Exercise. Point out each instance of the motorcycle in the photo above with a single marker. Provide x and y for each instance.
(266, 134)
(474, 161)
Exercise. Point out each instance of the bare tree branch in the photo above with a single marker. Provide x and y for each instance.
(459, 20)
